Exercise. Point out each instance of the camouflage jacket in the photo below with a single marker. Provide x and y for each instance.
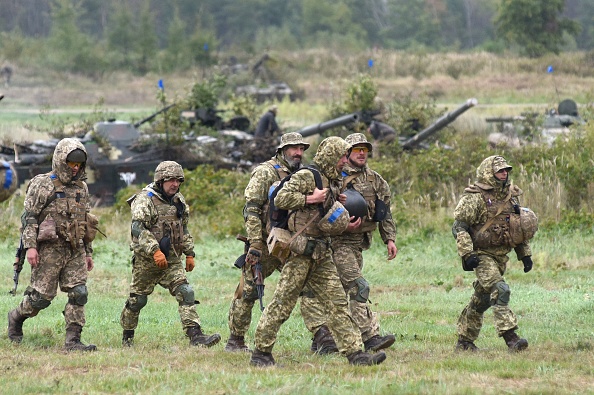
(472, 211)
(148, 226)
(372, 186)
(68, 206)
(256, 193)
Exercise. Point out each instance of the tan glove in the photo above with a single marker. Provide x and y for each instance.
(160, 259)
(190, 263)
(255, 252)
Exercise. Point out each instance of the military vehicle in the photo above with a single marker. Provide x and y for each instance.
(535, 127)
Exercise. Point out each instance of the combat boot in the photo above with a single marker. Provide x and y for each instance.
(15, 326)
(128, 338)
(197, 338)
(377, 342)
(236, 343)
(514, 342)
(261, 358)
(465, 345)
(365, 359)
(324, 342)
(73, 342)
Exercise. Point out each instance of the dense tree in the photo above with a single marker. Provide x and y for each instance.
(535, 25)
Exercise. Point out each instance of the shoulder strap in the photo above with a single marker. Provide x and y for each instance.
(319, 185)
(499, 210)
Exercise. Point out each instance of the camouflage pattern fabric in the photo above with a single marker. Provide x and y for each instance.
(472, 210)
(256, 197)
(145, 273)
(59, 263)
(316, 274)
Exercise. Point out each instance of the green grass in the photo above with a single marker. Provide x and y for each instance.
(418, 296)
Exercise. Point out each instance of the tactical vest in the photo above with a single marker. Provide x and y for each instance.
(495, 232)
(168, 224)
(302, 217)
(365, 188)
(281, 173)
(68, 209)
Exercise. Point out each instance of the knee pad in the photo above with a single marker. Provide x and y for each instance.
(503, 294)
(38, 302)
(362, 290)
(136, 302)
(184, 294)
(78, 295)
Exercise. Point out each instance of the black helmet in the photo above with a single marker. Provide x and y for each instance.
(355, 203)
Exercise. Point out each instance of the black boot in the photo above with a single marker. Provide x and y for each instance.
(261, 358)
(128, 338)
(324, 341)
(377, 342)
(197, 338)
(514, 342)
(236, 343)
(73, 342)
(15, 326)
(465, 345)
(366, 359)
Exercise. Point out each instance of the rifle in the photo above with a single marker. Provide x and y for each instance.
(18, 266)
(256, 269)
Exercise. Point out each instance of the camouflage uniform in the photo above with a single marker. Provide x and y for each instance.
(256, 218)
(315, 273)
(58, 203)
(348, 247)
(159, 220)
(475, 210)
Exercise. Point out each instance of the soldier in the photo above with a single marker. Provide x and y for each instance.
(8, 180)
(267, 126)
(486, 230)
(58, 242)
(160, 235)
(348, 247)
(287, 160)
(311, 268)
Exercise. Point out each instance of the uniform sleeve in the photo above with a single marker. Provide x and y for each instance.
(39, 191)
(387, 227)
(293, 193)
(470, 210)
(143, 213)
(256, 196)
(188, 241)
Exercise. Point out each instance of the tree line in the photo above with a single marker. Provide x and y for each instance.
(165, 35)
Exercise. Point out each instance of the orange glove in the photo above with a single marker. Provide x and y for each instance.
(160, 259)
(190, 263)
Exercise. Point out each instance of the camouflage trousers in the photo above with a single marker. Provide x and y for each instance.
(488, 273)
(58, 265)
(348, 258)
(246, 296)
(318, 276)
(145, 276)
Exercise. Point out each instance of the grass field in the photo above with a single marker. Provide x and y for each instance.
(418, 297)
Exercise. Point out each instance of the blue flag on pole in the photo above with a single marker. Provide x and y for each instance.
(370, 63)
(550, 69)
(205, 47)
(160, 84)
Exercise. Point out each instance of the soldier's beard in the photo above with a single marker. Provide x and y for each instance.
(293, 163)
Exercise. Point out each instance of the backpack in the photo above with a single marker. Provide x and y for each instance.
(279, 218)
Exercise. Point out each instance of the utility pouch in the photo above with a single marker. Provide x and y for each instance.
(165, 245)
(91, 228)
(278, 243)
(381, 211)
(47, 229)
(301, 245)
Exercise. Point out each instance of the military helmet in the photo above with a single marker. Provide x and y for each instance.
(523, 227)
(292, 138)
(358, 139)
(355, 203)
(167, 170)
(77, 155)
(499, 163)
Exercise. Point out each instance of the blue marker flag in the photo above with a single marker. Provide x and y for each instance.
(550, 69)
(206, 47)
(370, 63)
(160, 84)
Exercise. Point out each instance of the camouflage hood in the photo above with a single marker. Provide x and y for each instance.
(485, 173)
(59, 165)
(329, 152)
